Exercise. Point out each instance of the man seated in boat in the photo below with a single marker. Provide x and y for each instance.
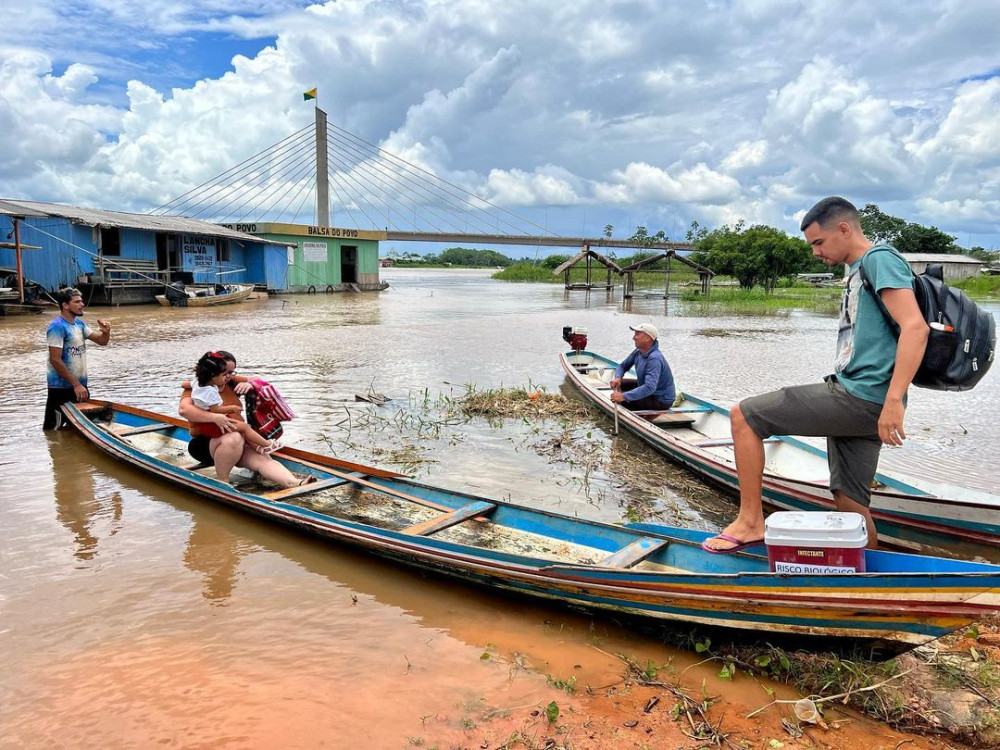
(860, 406)
(230, 449)
(653, 388)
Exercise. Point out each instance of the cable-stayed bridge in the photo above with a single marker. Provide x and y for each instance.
(300, 178)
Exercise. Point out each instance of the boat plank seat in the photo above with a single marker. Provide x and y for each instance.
(666, 418)
(446, 520)
(304, 489)
(634, 553)
(726, 441)
(155, 427)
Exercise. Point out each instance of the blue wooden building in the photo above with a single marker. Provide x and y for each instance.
(124, 258)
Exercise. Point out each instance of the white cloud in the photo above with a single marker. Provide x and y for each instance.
(739, 110)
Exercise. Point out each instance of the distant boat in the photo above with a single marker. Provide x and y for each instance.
(206, 296)
(909, 512)
(658, 572)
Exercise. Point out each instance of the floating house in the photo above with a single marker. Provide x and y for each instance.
(115, 257)
(324, 259)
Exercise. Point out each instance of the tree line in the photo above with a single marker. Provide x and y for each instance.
(756, 255)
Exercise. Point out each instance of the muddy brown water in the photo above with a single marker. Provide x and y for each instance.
(134, 615)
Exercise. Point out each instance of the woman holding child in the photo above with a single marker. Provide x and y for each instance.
(219, 434)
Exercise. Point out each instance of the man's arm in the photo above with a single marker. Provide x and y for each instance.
(649, 380)
(102, 338)
(55, 359)
(913, 331)
(192, 413)
(622, 368)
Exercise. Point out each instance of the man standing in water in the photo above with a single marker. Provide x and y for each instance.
(858, 408)
(67, 369)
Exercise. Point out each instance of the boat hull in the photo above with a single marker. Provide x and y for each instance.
(649, 571)
(237, 293)
(796, 474)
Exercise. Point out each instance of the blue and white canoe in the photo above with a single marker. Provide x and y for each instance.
(647, 570)
(909, 512)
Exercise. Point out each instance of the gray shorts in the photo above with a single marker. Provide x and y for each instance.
(849, 424)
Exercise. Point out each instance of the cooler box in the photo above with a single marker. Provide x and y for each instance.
(802, 542)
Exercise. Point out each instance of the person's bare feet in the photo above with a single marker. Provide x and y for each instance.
(739, 530)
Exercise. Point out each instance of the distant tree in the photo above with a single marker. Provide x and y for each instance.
(554, 261)
(915, 238)
(880, 227)
(462, 256)
(757, 255)
(696, 233)
(608, 229)
(643, 236)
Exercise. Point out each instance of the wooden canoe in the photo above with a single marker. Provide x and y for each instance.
(210, 297)
(909, 512)
(647, 570)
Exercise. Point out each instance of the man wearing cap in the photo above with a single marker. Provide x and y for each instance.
(654, 387)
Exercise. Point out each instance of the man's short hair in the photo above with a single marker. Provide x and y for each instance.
(829, 210)
(65, 295)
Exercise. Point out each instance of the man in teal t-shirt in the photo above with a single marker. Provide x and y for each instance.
(858, 408)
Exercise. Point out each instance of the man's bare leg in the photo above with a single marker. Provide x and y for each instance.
(749, 451)
(845, 504)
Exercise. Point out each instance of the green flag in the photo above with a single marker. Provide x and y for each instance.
(310, 94)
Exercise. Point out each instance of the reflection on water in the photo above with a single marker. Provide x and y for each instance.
(113, 586)
(78, 506)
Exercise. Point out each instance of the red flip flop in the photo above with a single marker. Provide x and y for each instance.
(738, 544)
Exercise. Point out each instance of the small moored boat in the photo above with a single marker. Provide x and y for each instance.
(909, 512)
(653, 571)
(206, 296)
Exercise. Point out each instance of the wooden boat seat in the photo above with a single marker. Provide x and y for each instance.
(155, 427)
(634, 553)
(445, 520)
(666, 418)
(304, 489)
(726, 441)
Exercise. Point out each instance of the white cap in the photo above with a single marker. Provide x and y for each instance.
(647, 328)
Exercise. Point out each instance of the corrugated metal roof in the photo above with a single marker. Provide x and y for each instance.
(939, 258)
(10, 209)
(94, 217)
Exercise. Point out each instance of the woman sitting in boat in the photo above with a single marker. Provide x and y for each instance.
(230, 449)
(654, 386)
(212, 374)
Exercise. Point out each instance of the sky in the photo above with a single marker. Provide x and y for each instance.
(574, 115)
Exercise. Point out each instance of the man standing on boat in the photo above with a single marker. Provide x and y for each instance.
(858, 408)
(654, 387)
(67, 337)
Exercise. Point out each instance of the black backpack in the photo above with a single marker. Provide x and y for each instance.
(963, 337)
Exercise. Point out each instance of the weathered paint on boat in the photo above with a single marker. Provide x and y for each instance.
(641, 569)
(909, 512)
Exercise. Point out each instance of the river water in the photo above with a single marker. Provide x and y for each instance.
(132, 614)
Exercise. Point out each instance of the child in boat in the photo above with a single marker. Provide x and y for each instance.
(211, 372)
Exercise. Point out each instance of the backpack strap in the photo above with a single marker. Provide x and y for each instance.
(866, 282)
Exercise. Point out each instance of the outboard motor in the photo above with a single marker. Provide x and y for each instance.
(175, 294)
(576, 337)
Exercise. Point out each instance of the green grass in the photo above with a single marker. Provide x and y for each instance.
(980, 287)
(756, 300)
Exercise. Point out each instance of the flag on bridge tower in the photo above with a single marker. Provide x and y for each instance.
(310, 94)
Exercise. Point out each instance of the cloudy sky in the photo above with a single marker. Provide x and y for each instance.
(574, 114)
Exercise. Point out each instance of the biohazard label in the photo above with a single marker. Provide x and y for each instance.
(804, 568)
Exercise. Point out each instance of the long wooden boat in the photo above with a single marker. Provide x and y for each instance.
(909, 512)
(210, 296)
(641, 569)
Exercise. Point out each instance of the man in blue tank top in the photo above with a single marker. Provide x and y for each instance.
(860, 406)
